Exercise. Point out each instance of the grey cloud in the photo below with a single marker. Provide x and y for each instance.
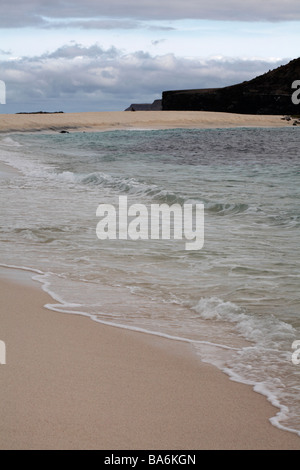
(78, 78)
(102, 24)
(17, 13)
(77, 50)
(94, 24)
(157, 42)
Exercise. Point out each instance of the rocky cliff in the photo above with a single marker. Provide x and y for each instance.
(270, 93)
(155, 106)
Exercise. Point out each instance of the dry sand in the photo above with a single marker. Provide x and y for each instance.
(71, 383)
(98, 121)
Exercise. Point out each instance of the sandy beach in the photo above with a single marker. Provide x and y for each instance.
(71, 383)
(97, 121)
(149, 228)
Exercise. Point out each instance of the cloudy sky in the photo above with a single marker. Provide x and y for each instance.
(103, 55)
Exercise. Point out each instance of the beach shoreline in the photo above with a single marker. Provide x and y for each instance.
(71, 383)
(122, 120)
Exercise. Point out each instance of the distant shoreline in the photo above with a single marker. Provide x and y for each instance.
(41, 112)
(100, 121)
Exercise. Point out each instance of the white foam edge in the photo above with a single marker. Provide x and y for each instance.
(258, 387)
(62, 304)
(261, 388)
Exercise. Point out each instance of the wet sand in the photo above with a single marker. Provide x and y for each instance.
(72, 383)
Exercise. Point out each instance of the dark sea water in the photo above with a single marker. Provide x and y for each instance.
(236, 300)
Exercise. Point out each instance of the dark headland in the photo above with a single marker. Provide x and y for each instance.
(270, 93)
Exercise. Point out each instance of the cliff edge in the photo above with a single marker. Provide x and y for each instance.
(270, 93)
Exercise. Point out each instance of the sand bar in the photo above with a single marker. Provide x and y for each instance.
(97, 121)
(71, 383)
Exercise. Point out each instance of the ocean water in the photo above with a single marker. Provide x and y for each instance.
(236, 300)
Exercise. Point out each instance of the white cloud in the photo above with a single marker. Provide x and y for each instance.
(78, 78)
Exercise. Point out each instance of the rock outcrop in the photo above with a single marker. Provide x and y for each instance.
(270, 93)
(155, 106)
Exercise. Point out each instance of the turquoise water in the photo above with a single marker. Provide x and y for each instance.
(236, 300)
